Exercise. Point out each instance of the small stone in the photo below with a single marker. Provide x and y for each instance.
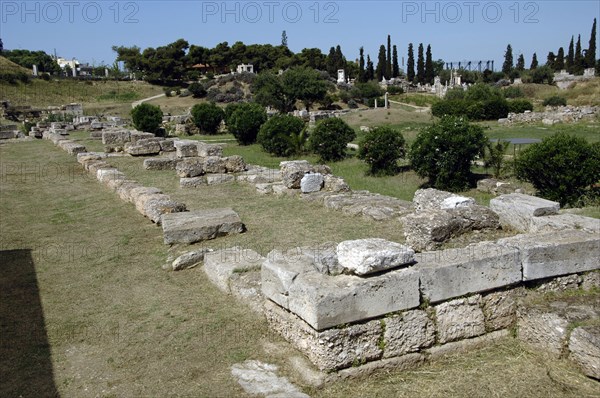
(311, 183)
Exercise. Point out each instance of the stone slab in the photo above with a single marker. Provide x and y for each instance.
(217, 179)
(160, 164)
(452, 273)
(584, 347)
(366, 256)
(324, 301)
(221, 265)
(312, 182)
(186, 148)
(200, 225)
(556, 253)
(516, 210)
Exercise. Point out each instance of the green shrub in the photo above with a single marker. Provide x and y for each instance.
(519, 106)
(513, 92)
(456, 93)
(555, 100)
(229, 110)
(493, 109)
(494, 156)
(330, 139)
(282, 135)
(168, 92)
(147, 117)
(482, 92)
(393, 90)
(562, 167)
(197, 90)
(207, 117)
(352, 104)
(366, 90)
(380, 149)
(244, 123)
(444, 151)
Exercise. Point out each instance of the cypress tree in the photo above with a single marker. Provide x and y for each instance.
(361, 66)
(590, 55)
(421, 65)
(559, 64)
(520, 63)
(370, 73)
(507, 66)
(395, 66)
(410, 64)
(570, 61)
(429, 73)
(381, 64)
(388, 65)
(534, 62)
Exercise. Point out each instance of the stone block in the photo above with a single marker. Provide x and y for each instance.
(115, 138)
(156, 206)
(221, 265)
(138, 136)
(312, 182)
(556, 253)
(264, 189)
(160, 164)
(499, 310)
(136, 194)
(335, 184)
(186, 148)
(293, 171)
(584, 347)
(124, 190)
(193, 182)
(206, 150)
(459, 319)
(167, 145)
(479, 267)
(408, 332)
(200, 225)
(366, 256)
(324, 301)
(516, 210)
(217, 179)
(214, 165)
(463, 346)
(106, 175)
(190, 167)
(189, 259)
(329, 349)
(234, 164)
(143, 148)
(564, 222)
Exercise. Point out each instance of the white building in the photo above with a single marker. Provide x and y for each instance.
(245, 68)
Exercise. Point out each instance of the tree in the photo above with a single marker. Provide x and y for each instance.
(551, 60)
(245, 122)
(330, 139)
(268, 91)
(1, 47)
(570, 61)
(421, 65)
(443, 152)
(590, 55)
(494, 156)
(429, 73)
(147, 117)
(380, 149)
(197, 90)
(507, 66)
(562, 167)
(534, 62)
(361, 66)
(27, 59)
(579, 61)
(520, 66)
(560, 60)
(281, 134)
(410, 64)
(284, 39)
(207, 117)
(395, 66)
(388, 64)
(370, 73)
(381, 64)
(304, 84)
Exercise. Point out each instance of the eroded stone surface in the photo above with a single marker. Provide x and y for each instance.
(366, 256)
(584, 347)
(258, 378)
(459, 319)
(293, 171)
(200, 225)
(312, 182)
(516, 210)
(189, 259)
(408, 332)
(221, 265)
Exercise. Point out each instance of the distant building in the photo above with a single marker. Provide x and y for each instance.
(245, 68)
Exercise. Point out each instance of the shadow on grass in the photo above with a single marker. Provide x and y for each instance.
(25, 359)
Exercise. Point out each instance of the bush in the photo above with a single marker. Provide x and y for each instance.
(168, 92)
(147, 117)
(561, 167)
(519, 106)
(555, 100)
(352, 104)
(229, 110)
(393, 90)
(380, 149)
(244, 123)
(456, 93)
(207, 117)
(513, 92)
(494, 156)
(330, 139)
(282, 135)
(197, 90)
(366, 90)
(444, 151)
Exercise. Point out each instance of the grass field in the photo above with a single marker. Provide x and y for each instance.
(88, 311)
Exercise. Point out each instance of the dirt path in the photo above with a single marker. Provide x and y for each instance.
(136, 103)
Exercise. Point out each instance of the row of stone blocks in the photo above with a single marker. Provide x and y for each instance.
(179, 225)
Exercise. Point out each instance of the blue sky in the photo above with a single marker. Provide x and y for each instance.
(456, 30)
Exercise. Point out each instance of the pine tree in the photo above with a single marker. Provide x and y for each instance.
(507, 66)
(388, 65)
(520, 63)
(429, 73)
(381, 64)
(590, 55)
(361, 66)
(551, 60)
(410, 64)
(284, 39)
(570, 61)
(534, 62)
(421, 65)
(370, 73)
(395, 66)
(559, 64)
